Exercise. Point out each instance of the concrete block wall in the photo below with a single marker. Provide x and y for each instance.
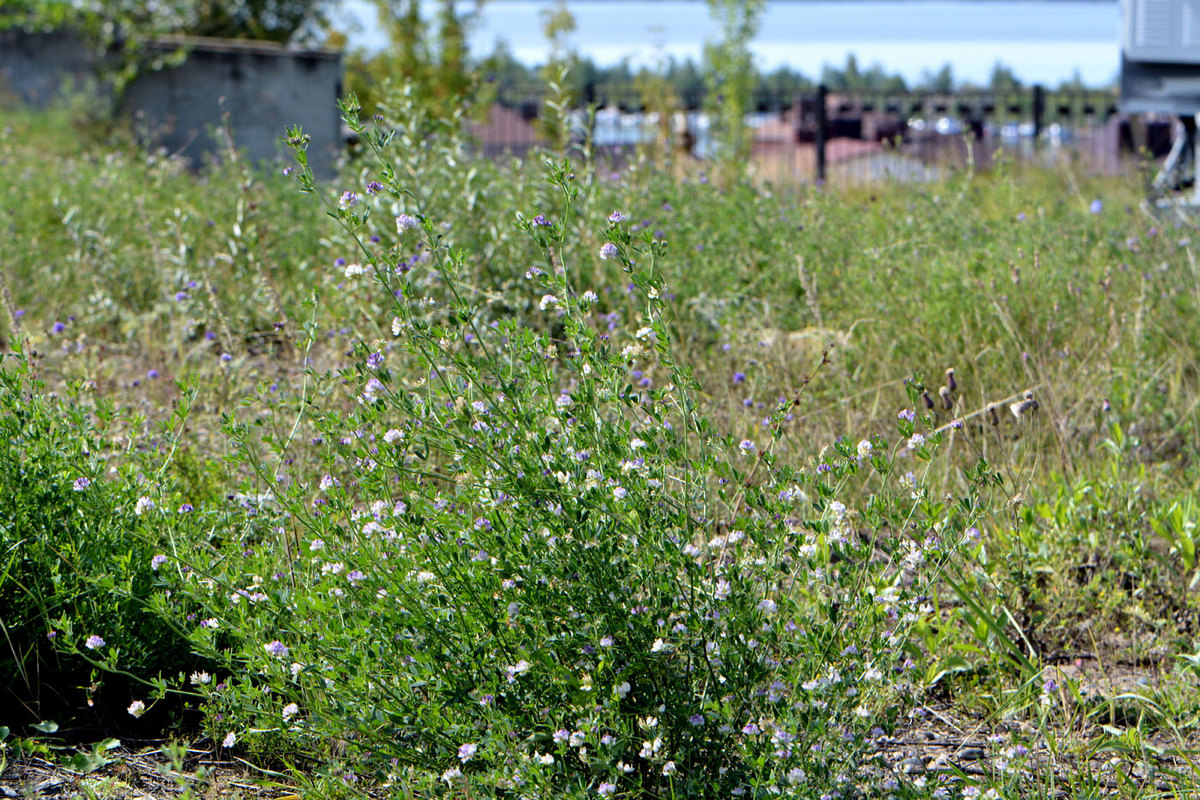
(264, 87)
(39, 68)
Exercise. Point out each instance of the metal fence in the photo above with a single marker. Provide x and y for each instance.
(848, 137)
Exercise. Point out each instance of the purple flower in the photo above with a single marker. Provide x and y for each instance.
(354, 576)
(152, 374)
(908, 415)
(697, 720)
(739, 377)
(374, 187)
(186, 508)
(181, 296)
(276, 648)
(406, 222)
(348, 200)
(81, 484)
(58, 327)
(608, 251)
(467, 751)
(158, 561)
(1097, 206)
(747, 446)
(94, 642)
(616, 217)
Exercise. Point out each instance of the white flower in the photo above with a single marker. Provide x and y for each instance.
(518, 669)
(548, 301)
(144, 504)
(660, 646)
(467, 751)
(397, 326)
(589, 297)
(393, 435)
(864, 448)
(546, 759)
(622, 689)
(230, 740)
(449, 775)
(354, 270)
(668, 768)
(406, 222)
(644, 332)
(916, 441)
(767, 606)
(199, 678)
(137, 708)
(290, 710)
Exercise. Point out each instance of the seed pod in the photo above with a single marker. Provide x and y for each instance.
(992, 416)
(947, 401)
(950, 382)
(1025, 406)
(927, 399)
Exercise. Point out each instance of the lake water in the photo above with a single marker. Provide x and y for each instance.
(1043, 41)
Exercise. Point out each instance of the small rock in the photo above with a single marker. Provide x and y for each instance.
(970, 754)
(940, 764)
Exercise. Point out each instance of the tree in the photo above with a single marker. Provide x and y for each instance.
(1004, 79)
(280, 21)
(731, 76)
(941, 81)
(434, 63)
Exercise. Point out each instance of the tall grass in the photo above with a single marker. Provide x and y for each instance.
(498, 478)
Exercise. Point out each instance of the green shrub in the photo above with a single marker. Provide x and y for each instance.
(521, 573)
(85, 525)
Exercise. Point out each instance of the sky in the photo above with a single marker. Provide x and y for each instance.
(1043, 41)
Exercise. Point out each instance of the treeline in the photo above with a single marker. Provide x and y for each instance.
(514, 83)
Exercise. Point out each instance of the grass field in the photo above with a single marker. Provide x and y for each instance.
(469, 479)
